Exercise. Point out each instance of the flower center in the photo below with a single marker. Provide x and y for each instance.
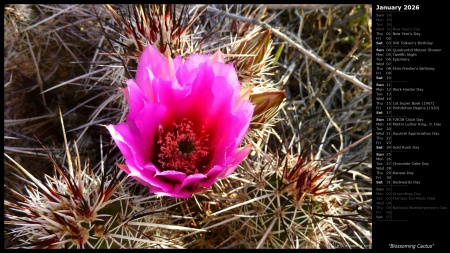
(182, 149)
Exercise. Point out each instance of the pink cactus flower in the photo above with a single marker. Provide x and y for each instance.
(185, 124)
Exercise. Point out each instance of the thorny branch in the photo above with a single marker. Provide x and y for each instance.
(299, 47)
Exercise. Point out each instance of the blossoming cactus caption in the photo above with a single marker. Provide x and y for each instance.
(185, 123)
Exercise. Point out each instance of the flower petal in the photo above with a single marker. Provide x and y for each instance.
(228, 72)
(135, 97)
(211, 176)
(160, 192)
(160, 66)
(147, 121)
(217, 57)
(124, 167)
(235, 160)
(148, 175)
(170, 96)
(128, 143)
(195, 104)
(175, 178)
(192, 179)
